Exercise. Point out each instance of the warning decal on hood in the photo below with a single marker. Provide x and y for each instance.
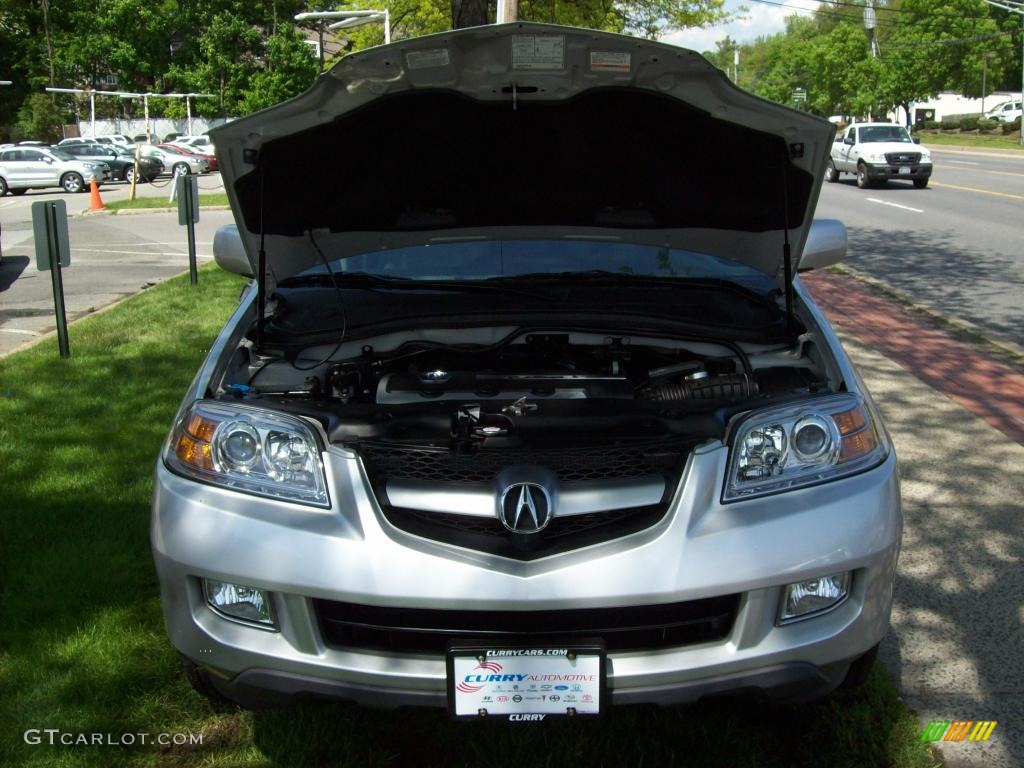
(609, 61)
(538, 52)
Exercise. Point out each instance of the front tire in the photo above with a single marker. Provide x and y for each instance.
(180, 169)
(920, 183)
(863, 180)
(129, 173)
(3, 186)
(831, 174)
(72, 183)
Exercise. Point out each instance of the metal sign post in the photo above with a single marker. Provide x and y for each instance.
(188, 214)
(53, 251)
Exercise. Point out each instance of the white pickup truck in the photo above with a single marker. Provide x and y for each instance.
(878, 152)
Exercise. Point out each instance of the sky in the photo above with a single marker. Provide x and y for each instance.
(760, 19)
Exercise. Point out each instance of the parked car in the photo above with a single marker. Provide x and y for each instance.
(1006, 112)
(564, 419)
(878, 152)
(122, 163)
(211, 160)
(37, 167)
(175, 163)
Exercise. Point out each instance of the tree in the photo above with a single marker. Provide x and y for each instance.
(288, 68)
(39, 118)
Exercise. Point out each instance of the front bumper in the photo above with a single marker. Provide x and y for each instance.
(701, 549)
(885, 171)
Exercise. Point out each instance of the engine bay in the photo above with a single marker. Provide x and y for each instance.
(471, 388)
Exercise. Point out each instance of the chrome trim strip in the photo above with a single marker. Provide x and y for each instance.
(579, 498)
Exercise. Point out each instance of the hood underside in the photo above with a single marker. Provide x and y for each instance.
(523, 131)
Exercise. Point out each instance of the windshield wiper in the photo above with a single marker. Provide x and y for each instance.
(607, 277)
(370, 282)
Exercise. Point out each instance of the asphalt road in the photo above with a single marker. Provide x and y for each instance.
(112, 257)
(956, 246)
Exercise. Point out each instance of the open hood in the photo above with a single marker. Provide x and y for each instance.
(523, 131)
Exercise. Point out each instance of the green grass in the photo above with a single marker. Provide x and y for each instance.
(161, 202)
(82, 643)
(990, 141)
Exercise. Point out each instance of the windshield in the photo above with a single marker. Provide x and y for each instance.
(483, 260)
(885, 133)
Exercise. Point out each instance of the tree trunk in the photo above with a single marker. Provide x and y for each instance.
(469, 13)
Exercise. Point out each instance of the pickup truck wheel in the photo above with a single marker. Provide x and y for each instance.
(831, 174)
(862, 176)
(920, 183)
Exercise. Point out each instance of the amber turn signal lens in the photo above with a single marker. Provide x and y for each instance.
(849, 421)
(194, 452)
(854, 446)
(200, 428)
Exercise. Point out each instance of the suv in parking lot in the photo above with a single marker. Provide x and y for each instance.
(35, 167)
(526, 439)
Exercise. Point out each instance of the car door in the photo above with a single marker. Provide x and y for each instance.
(845, 150)
(13, 170)
(41, 170)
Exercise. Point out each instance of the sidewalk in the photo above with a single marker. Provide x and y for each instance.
(958, 624)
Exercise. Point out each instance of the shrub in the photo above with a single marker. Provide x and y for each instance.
(988, 125)
(1013, 127)
(969, 123)
(949, 125)
(931, 125)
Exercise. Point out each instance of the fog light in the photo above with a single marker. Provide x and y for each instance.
(808, 598)
(238, 601)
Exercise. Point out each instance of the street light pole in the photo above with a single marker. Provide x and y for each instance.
(321, 17)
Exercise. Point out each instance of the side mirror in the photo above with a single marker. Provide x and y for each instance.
(916, 139)
(848, 140)
(229, 252)
(825, 246)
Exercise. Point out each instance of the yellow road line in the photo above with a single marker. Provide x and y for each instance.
(979, 191)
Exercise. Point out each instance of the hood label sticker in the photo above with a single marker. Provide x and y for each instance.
(538, 52)
(610, 61)
(436, 57)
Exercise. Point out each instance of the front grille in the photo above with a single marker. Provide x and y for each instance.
(399, 462)
(385, 462)
(903, 158)
(631, 628)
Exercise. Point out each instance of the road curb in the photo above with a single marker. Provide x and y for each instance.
(1007, 348)
(137, 211)
(975, 151)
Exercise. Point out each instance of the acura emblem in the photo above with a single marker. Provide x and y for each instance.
(525, 507)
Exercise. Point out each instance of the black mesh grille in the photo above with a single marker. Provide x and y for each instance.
(903, 158)
(441, 465)
(630, 628)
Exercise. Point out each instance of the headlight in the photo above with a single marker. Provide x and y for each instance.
(249, 450)
(812, 442)
(875, 157)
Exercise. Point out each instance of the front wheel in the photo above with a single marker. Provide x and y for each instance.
(181, 169)
(129, 173)
(863, 181)
(920, 183)
(72, 182)
(831, 174)
(3, 186)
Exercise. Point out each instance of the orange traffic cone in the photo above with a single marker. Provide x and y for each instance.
(95, 204)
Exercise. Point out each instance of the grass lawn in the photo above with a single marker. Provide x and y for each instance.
(161, 202)
(991, 141)
(82, 643)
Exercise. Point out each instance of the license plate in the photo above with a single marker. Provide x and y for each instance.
(526, 683)
(905, 170)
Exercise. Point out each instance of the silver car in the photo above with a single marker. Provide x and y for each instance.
(37, 167)
(536, 417)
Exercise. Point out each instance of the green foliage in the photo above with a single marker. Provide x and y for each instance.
(1013, 127)
(987, 125)
(969, 123)
(39, 118)
(288, 68)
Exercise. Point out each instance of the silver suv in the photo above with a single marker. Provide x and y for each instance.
(527, 432)
(26, 167)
